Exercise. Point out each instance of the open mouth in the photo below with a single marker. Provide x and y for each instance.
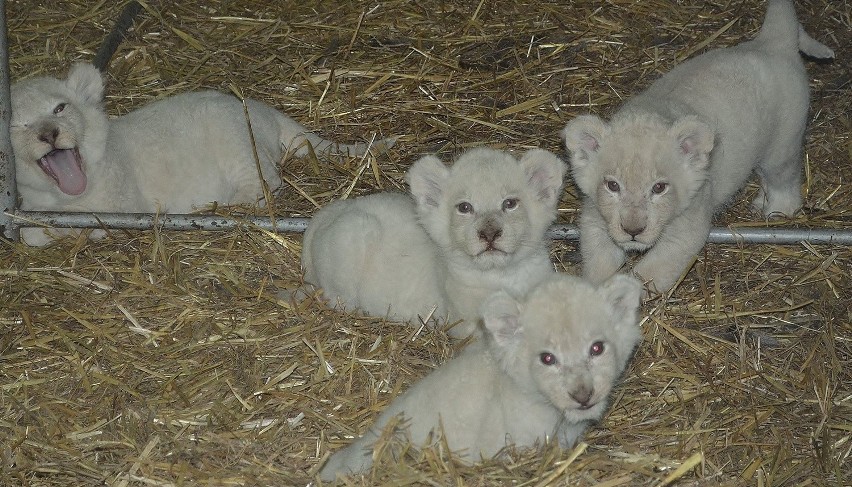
(65, 167)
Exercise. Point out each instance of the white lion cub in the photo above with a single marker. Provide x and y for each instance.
(170, 156)
(469, 230)
(673, 155)
(544, 369)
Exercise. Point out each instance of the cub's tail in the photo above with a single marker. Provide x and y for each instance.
(325, 147)
(299, 141)
(781, 31)
(116, 35)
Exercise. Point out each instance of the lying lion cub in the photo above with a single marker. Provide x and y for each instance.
(469, 230)
(544, 369)
(172, 155)
(673, 155)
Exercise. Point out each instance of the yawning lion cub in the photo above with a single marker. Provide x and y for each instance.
(170, 156)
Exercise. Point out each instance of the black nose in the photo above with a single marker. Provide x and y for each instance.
(49, 136)
(489, 233)
(582, 395)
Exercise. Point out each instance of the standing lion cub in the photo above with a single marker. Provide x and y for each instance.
(172, 155)
(673, 155)
(543, 370)
(469, 230)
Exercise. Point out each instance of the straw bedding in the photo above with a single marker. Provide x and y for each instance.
(165, 358)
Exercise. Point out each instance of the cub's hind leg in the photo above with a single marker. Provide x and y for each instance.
(780, 169)
(780, 185)
(337, 253)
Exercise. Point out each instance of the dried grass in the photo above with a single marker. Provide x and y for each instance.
(161, 359)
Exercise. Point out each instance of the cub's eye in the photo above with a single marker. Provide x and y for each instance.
(510, 204)
(596, 349)
(59, 108)
(547, 358)
(464, 207)
(612, 186)
(660, 188)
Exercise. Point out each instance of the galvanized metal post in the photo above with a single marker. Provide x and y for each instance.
(8, 191)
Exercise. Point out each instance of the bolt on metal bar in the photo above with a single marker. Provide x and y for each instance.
(144, 221)
(8, 193)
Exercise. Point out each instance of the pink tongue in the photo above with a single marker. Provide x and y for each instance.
(65, 167)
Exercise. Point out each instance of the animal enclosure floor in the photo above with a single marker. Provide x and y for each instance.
(166, 358)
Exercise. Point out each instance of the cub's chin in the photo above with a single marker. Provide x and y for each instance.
(577, 414)
(635, 246)
(640, 243)
(492, 259)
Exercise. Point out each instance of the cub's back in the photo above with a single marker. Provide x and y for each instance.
(370, 251)
(752, 98)
(194, 148)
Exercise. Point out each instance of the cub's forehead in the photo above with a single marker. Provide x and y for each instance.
(636, 156)
(486, 172)
(567, 312)
(567, 334)
(34, 96)
(41, 86)
(483, 160)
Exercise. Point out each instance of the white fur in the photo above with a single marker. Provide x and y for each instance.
(673, 155)
(388, 254)
(499, 391)
(171, 156)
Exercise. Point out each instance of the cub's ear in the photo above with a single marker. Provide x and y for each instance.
(624, 294)
(427, 178)
(694, 140)
(545, 173)
(501, 318)
(85, 80)
(583, 137)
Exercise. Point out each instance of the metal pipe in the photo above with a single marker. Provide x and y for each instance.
(144, 221)
(8, 190)
(779, 236)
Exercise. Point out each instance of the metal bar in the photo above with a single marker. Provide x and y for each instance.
(780, 236)
(144, 221)
(8, 190)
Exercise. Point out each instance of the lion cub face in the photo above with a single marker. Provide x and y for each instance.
(489, 208)
(568, 339)
(640, 172)
(58, 129)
